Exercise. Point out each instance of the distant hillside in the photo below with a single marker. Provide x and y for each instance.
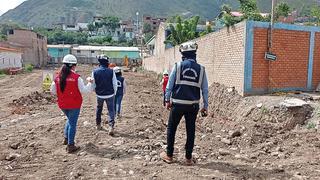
(48, 12)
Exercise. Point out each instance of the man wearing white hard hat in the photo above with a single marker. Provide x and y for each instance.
(187, 82)
(68, 86)
(105, 85)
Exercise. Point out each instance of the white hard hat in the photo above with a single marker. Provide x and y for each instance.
(165, 72)
(70, 59)
(188, 46)
(117, 69)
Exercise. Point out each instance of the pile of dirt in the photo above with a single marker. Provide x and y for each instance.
(31, 102)
(227, 104)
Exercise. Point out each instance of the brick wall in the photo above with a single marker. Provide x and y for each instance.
(316, 62)
(290, 70)
(222, 53)
(34, 46)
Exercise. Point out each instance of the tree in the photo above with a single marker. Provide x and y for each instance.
(111, 23)
(183, 31)
(250, 10)
(207, 31)
(315, 12)
(91, 28)
(227, 18)
(146, 28)
(282, 9)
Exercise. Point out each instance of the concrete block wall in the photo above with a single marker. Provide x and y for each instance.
(222, 53)
(235, 57)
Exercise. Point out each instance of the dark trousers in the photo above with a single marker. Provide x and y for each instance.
(164, 98)
(110, 106)
(190, 113)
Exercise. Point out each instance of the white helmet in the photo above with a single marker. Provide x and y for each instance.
(70, 59)
(117, 69)
(165, 72)
(188, 46)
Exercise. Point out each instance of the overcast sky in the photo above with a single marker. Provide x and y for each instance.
(6, 5)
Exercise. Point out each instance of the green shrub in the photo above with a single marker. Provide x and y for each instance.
(311, 125)
(29, 68)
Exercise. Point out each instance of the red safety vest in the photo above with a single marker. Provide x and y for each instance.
(165, 82)
(71, 97)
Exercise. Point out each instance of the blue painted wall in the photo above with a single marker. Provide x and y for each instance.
(58, 52)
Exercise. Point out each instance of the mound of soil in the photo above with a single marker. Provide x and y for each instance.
(31, 102)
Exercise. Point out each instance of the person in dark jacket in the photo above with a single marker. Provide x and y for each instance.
(105, 85)
(120, 91)
(183, 93)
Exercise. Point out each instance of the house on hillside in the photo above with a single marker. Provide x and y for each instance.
(10, 58)
(154, 22)
(78, 27)
(32, 45)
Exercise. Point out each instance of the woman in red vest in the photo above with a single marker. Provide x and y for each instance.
(68, 86)
(164, 83)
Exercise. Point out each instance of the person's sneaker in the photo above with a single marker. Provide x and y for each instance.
(99, 127)
(166, 158)
(65, 142)
(72, 148)
(190, 162)
(111, 131)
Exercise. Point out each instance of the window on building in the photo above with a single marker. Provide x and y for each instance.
(60, 50)
(154, 23)
(92, 52)
(78, 51)
(148, 18)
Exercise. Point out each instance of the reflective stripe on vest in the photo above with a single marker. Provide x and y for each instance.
(186, 102)
(189, 83)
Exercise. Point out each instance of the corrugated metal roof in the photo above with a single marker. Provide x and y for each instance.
(10, 49)
(105, 48)
(59, 46)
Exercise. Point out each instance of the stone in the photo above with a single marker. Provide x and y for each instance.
(279, 149)
(238, 156)
(147, 158)
(224, 152)
(65, 160)
(11, 157)
(137, 157)
(82, 154)
(234, 134)
(226, 141)
(131, 172)
(15, 145)
(209, 130)
(153, 153)
(32, 144)
(275, 154)
(86, 124)
(259, 105)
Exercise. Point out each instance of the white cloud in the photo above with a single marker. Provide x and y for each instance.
(6, 5)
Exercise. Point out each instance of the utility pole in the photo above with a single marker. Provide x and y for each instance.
(271, 25)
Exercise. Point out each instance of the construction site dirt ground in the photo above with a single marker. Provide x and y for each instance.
(31, 139)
